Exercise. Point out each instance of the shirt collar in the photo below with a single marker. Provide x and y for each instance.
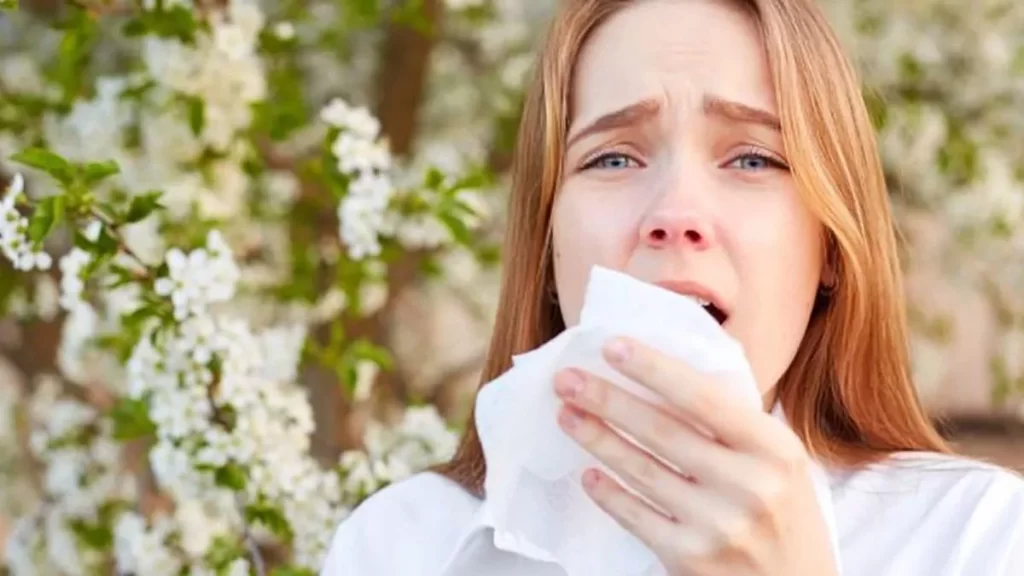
(483, 519)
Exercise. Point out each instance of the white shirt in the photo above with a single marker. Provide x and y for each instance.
(915, 514)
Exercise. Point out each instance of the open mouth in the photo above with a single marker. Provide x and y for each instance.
(699, 294)
(715, 312)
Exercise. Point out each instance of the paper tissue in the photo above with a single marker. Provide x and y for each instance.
(533, 468)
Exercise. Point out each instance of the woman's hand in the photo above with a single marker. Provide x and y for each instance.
(741, 502)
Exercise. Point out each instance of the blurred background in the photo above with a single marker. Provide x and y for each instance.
(251, 254)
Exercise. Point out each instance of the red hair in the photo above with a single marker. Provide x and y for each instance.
(848, 392)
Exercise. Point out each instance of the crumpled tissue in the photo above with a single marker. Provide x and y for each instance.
(533, 468)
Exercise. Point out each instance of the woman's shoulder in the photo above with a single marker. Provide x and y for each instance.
(947, 509)
(403, 528)
(931, 471)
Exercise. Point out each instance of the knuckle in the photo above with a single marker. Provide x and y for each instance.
(696, 546)
(598, 394)
(732, 533)
(766, 493)
(762, 502)
(704, 399)
(791, 458)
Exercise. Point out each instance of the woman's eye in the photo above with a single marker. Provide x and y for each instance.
(756, 161)
(611, 160)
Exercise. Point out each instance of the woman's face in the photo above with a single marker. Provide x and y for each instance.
(675, 173)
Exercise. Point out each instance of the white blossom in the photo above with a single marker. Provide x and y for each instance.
(15, 244)
(202, 277)
(332, 303)
(47, 297)
(142, 548)
(366, 375)
(72, 284)
(284, 30)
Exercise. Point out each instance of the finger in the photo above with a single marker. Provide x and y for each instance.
(665, 436)
(673, 542)
(699, 397)
(673, 494)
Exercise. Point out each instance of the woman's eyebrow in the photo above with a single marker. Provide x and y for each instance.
(740, 112)
(648, 108)
(636, 113)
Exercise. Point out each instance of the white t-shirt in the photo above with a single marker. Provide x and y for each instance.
(915, 514)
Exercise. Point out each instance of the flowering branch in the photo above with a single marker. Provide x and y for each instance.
(157, 180)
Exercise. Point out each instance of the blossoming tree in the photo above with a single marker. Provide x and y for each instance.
(243, 242)
(201, 198)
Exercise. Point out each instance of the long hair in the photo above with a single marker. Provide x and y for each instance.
(848, 393)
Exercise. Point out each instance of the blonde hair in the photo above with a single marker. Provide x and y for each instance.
(848, 392)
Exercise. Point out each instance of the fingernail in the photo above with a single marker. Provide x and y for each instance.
(617, 350)
(590, 479)
(569, 383)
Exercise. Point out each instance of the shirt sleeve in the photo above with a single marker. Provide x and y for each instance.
(404, 529)
(995, 532)
(366, 542)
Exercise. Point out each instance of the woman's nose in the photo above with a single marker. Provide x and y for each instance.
(667, 230)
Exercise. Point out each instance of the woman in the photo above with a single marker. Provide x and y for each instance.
(722, 148)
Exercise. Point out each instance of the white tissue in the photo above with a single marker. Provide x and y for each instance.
(534, 469)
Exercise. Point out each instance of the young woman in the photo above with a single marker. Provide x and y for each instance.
(720, 148)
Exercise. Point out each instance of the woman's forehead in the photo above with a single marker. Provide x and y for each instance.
(676, 51)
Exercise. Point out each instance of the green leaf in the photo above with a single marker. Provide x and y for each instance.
(105, 247)
(196, 114)
(430, 267)
(433, 179)
(958, 157)
(142, 206)
(134, 27)
(92, 535)
(1018, 61)
(366, 350)
(9, 284)
(177, 22)
(97, 171)
(488, 255)
(47, 161)
(362, 12)
(222, 552)
(291, 571)
(268, 515)
(910, 68)
(479, 14)
(1003, 384)
(47, 215)
(74, 53)
(347, 376)
(131, 419)
(230, 476)
(121, 276)
(458, 228)
(877, 108)
(473, 180)
(134, 320)
(411, 14)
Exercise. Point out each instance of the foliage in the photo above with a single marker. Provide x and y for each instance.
(222, 220)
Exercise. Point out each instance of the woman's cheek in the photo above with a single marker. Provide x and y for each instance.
(585, 234)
